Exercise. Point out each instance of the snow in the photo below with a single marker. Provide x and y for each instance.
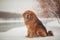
(19, 33)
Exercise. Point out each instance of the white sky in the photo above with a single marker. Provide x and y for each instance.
(18, 6)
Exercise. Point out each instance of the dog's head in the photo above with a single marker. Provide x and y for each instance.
(29, 16)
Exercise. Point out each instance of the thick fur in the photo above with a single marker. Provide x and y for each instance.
(34, 25)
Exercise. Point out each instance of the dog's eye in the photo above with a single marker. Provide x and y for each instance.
(28, 16)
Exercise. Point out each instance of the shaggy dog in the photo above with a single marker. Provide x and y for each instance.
(34, 25)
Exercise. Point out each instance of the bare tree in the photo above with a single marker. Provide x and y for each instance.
(50, 8)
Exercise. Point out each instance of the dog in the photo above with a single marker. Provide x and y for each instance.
(34, 26)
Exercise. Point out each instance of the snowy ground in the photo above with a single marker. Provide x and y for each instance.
(19, 33)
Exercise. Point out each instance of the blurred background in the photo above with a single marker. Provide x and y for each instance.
(11, 13)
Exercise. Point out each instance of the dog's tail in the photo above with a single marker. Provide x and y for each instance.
(50, 33)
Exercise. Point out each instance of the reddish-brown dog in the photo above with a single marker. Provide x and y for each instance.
(34, 25)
